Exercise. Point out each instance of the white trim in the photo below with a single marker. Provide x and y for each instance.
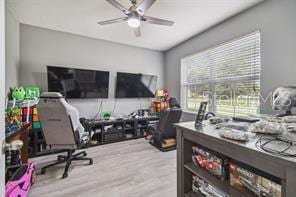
(189, 112)
(2, 94)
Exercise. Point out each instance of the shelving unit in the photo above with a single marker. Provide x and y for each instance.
(37, 144)
(205, 175)
(125, 129)
(283, 168)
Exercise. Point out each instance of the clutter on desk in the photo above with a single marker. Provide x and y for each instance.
(237, 135)
(267, 127)
(289, 119)
(245, 119)
(242, 126)
(218, 120)
(277, 145)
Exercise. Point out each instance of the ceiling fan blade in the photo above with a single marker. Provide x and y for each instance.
(117, 20)
(137, 32)
(144, 6)
(158, 21)
(119, 6)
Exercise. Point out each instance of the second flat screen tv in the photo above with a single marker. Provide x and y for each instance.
(130, 85)
(78, 83)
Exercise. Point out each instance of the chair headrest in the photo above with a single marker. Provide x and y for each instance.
(53, 95)
(174, 103)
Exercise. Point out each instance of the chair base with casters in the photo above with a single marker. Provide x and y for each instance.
(158, 145)
(162, 144)
(68, 160)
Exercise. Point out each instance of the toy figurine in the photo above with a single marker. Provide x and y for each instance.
(18, 93)
(32, 92)
(12, 116)
(161, 100)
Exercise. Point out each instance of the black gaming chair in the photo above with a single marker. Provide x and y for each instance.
(165, 127)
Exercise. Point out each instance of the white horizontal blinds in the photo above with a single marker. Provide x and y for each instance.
(230, 73)
(238, 60)
(198, 69)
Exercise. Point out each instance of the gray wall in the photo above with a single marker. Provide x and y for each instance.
(40, 47)
(276, 21)
(12, 45)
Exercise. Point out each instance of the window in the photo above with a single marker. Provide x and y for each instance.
(227, 76)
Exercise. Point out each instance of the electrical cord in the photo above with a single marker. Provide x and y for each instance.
(100, 108)
(115, 102)
(263, 141)
(140, 103)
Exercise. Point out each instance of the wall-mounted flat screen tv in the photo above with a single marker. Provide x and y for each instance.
(130, 85)
(78, 83)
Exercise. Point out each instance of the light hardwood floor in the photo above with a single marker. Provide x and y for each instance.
(124, 169)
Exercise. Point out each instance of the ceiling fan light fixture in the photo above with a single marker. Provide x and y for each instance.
(133, 22)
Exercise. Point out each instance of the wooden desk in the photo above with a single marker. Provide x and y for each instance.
(21, 134)
(187, 136)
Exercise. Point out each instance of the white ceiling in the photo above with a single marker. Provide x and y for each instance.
(81, 16)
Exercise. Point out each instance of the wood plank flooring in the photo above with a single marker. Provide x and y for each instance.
(125, 169)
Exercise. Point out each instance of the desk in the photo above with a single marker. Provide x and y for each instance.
(281, 167)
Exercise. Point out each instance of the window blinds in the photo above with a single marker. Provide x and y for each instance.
(225, 75)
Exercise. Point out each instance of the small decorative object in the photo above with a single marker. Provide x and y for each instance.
(18, 93)
(201, 114)
(284, 99)
(106, 115)
(161, 100)
(12, 116)
(32, 92)
(236, 135)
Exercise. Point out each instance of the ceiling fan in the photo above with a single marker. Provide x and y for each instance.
(135, 15)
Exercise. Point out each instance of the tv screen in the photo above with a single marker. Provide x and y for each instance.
(78, 83)
(130, 85)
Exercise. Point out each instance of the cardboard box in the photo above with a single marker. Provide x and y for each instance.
(211, 161)
(203, 187)
(252, 184)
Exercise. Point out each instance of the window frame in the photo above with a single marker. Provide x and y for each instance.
(211, 83)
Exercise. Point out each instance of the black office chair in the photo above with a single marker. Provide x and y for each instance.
(165, 127)
(58, 120)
